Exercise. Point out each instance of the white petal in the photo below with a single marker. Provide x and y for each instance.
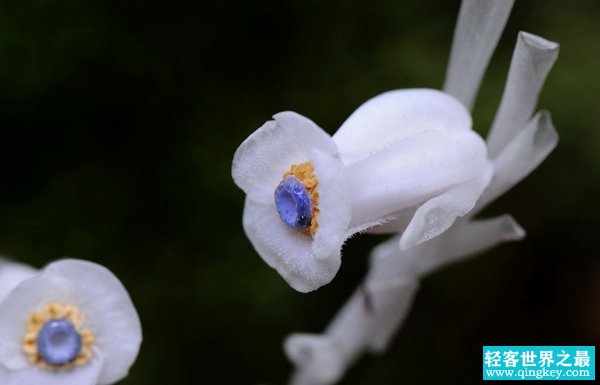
(287, 250)
(395, 222)
(480, 24)
(526, 151)
(316, 357)
(396, 115)
(437, 214)
(411, 171)
(531, 62)
(474, 236)
(80, 375)
(11, 274)
(109, 311)
(306, 263)
(262, 159)
(4, 374)
(464, 239)
(334, 206)
(29, 296)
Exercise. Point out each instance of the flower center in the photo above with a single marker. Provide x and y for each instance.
(55, 338)
(293, 203)
(296, 198)
(58, 342)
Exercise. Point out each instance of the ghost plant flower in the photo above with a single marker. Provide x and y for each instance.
(308, 192)
(72, 323)
(517, 144)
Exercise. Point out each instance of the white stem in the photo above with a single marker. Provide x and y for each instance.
(532, 60)
(480, 24)
(377, 309)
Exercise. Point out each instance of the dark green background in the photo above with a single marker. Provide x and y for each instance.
(119, 120)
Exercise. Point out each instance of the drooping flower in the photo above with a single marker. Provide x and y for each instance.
(73, 323)
(308, 192)
(517, 144)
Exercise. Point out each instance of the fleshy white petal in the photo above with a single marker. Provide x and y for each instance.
(11, 274)
(531, 62)
(306, 263)
(475, 236)
(261, 160)
(397, 115)
(81, 375)
(437, 214)
(29, 296)
(411, 171)
(394, 223)
(525, 152)
(287, 250)
(334, 205)
(466, 238)
(109, 311)
(480, 24)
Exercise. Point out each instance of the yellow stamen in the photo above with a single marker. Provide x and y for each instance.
(305, 172)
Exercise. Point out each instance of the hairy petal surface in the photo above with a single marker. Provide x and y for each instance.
(334, 205)
(261, 160)
(396, 115)
(306, 263)
(480, 24)
(532, 60)
(286, 250)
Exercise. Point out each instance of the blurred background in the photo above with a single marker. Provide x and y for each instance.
(119, 121)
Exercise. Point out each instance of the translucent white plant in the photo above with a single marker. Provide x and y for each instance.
(517, 143)
(394, 159)
(72, 323)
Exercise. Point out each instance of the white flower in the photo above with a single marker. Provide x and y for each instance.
(308, 192)
(72, 323)
(517, 144)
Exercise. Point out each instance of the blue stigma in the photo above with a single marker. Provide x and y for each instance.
(293, 203)
(58, 342)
